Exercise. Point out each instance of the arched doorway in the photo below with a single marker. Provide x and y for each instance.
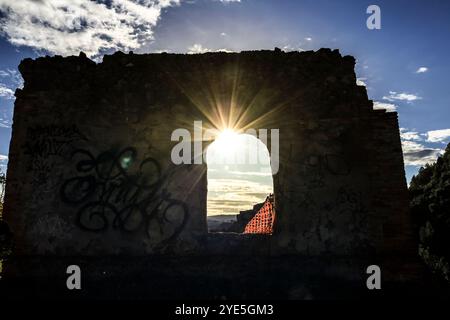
(239, 182)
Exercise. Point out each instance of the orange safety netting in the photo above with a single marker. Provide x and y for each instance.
(263, 220)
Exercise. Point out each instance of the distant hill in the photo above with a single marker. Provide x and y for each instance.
(220, 222)
(232, 223)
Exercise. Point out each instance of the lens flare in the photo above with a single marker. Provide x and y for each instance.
(228, 139)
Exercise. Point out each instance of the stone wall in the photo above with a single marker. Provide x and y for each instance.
(90, 171)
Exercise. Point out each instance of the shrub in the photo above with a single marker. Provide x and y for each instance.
(430, 206)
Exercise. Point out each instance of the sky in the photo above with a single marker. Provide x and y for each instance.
(239, 173)
(404, 65)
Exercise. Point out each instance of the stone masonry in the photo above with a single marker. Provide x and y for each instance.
(90, 171)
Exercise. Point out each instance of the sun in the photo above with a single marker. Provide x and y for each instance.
(228, 147)
(228, 139)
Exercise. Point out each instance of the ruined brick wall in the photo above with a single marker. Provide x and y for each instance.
(392, 220)
(395, 228)
(90, 171)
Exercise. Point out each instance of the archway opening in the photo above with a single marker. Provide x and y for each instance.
(240, 185)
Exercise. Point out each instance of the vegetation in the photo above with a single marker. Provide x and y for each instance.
(2, 191)
(5, 234)
(430, 206)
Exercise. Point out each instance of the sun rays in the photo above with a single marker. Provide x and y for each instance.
(232, 110)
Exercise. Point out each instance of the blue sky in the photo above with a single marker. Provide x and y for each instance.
(404, 65)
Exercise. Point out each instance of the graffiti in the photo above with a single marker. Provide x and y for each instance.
(110, 194)
(44, 141)
(49, 225)
(45, 146)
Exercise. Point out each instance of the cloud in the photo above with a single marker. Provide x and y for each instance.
(3, 158)
(288, 48)
(416, 154)
(252, 173)
(412, 146)
(442, 135)
(308, 39)
(225, 50)
(14, 80)
(361, 82)
(6, 92)
(13, 76)
(421, 158)
(389, 107)
(401, 96)
(422, 70)
(229, 196)
(410, 135)
(66, 27)
(197, 48)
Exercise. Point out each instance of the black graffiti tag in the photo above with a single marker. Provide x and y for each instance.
(111, 195)
(53, 140)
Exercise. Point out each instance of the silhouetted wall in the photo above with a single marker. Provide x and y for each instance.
(90, 171)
